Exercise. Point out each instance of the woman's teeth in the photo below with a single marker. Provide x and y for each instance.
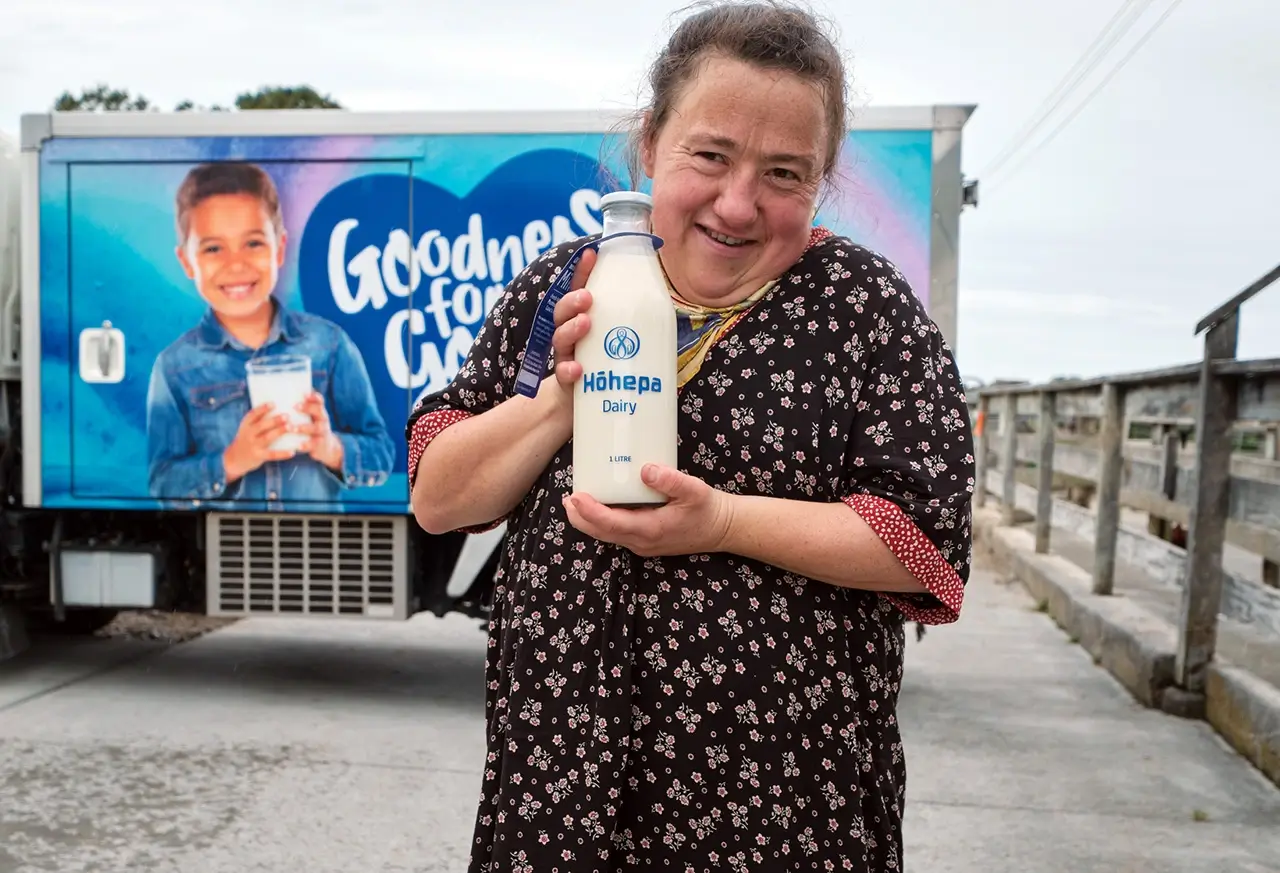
(721, 238)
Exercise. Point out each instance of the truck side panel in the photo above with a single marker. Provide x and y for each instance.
(31, 229)
(401, 243)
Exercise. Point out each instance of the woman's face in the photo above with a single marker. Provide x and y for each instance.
(736, 169)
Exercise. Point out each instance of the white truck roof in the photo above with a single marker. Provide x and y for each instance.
(36, 128)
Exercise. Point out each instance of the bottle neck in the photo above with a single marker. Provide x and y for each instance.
(626, 218)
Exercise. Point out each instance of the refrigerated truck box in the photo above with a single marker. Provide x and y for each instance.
(383, 239)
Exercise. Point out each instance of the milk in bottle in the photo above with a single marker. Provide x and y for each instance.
(624, 406)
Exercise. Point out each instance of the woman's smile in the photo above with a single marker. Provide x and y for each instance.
(723, 241)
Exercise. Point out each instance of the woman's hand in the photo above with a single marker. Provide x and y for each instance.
(697, 519)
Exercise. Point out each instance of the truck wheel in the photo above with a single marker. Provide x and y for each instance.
(78, 622)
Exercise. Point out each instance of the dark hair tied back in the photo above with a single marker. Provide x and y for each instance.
(769, 34)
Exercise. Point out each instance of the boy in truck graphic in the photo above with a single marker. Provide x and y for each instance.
(207, 442)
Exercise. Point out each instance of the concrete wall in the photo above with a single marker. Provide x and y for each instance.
(1137, 647)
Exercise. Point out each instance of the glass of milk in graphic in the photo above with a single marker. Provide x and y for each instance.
(285, 381)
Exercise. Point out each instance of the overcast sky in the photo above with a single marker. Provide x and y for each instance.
(1157, 202)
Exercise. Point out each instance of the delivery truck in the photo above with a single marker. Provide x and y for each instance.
(382, 241)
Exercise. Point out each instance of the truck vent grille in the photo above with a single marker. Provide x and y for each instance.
(329, 565)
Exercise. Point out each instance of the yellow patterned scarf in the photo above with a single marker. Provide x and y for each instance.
(698, 328)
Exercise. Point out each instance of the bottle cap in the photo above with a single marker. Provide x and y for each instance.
(638, 198)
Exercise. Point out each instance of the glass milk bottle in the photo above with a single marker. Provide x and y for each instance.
(624, 406)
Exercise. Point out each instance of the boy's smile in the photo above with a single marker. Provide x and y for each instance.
(233, 256)
(239, 292)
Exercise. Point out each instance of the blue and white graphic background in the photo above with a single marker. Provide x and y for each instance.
(464, 211)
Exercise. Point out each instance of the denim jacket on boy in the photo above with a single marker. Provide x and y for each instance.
(198, 397)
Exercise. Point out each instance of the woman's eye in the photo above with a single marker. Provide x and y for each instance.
(789, 175)
(710, 156)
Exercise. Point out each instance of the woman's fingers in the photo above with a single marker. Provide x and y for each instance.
(570, 305)
(568, 372)
(572, 322)
(567, 335)
(585, 263)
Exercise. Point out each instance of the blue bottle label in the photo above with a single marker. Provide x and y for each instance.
(538, 348)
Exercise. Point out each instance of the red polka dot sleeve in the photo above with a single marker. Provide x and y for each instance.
(909, 466)
(919, 555)
(423, 430)
(426, 428)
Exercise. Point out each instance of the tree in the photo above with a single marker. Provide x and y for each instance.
(104, 99)
(101, 99)
(279, 97)
(188, 106)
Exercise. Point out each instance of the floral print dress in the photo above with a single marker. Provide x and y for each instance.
(709, 712)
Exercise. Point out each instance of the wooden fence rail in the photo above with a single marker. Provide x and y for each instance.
(1218, 494)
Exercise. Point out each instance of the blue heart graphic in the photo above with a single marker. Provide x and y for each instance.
(538, 186)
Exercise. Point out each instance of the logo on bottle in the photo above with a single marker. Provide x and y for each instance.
(622, 343)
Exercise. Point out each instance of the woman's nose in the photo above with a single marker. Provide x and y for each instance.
(737, 204)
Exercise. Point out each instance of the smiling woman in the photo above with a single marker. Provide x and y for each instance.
(735, 176)
(713, 683)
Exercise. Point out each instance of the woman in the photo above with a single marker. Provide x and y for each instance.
(713, 683)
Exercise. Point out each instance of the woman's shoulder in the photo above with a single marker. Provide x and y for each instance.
(525, 291)
(530, 284)
(848, 262)
(857, 275)
(860, 295)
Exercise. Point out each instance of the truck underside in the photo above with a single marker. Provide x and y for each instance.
(72, 571)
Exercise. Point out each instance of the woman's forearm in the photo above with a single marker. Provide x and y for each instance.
(479, 469)
(824, 541)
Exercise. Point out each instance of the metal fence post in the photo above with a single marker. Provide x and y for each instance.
(1202, 591)
(1047, 426)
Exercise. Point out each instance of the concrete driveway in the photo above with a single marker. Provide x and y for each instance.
(275, 746)
(309, 747)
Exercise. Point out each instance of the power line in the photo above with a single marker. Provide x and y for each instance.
(1088, 57)
(1141, 41)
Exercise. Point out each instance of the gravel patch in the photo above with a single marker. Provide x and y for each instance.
(169, 627)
